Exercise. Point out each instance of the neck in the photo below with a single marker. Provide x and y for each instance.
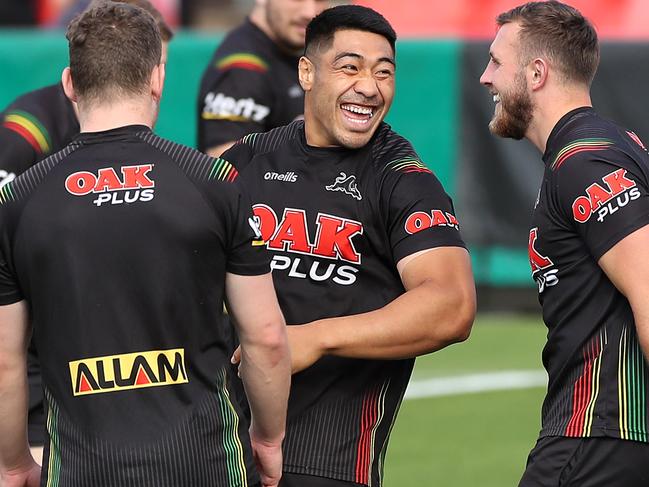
(101, 117)
(550, 108)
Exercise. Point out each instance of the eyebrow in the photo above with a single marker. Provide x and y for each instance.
(358, 56)
(493, 56)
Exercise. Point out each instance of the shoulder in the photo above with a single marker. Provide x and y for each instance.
(392, 153)
(256, 144)
(243, 49)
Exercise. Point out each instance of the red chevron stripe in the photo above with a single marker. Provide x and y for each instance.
(25, 134)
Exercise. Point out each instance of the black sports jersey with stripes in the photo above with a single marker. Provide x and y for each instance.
(34, 126)
(336, 222)
(249, 86)
(595, 192)
(120, 244)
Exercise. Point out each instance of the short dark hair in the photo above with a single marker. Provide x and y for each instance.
(113, 46)
(166, 34)
(320, 31)
(560, 32)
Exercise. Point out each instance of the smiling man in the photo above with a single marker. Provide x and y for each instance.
(588, 248)
(365, 249)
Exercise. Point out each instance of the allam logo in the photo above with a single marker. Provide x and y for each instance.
(129, 371)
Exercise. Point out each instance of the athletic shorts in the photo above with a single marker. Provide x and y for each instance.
(557, 461)
(299, 480)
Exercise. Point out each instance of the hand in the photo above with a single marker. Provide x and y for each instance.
(27, 476)
(304, 346)
(268, 459)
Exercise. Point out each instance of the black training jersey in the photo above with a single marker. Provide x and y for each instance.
(35, 125)
(120, 244)
(336, 222)
(249, 86)
(595, 192)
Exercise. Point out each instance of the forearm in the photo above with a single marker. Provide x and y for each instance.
(422, 320)
(641, 318)
(14, 449)
(266, 370)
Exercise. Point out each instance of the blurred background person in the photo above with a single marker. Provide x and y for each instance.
(250, 84)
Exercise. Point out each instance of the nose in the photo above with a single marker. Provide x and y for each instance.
(486, 77)
(366, 85)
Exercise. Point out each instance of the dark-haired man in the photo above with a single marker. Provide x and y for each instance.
(365, 247)
(124, 288)
(33, 126)
(588, 249)
(251, 82)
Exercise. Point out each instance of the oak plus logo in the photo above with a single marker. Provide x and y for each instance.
(616, 192)
(421, 220)
(542, 271)
(332, 248)
(129, 371)
(131, 185)
(346, 184)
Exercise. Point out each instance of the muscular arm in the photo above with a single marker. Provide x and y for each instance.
(265, 364)
(436, 310)
(627, 266)
(15, 459)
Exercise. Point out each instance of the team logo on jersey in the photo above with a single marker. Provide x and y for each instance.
(6, 177)
(333, 241)
(421, 220)
(287, 177)
(129, 371)
(541, 265)
(134, 184)
(346, 184)
(220, 107)
(616, 192)
(295, 91)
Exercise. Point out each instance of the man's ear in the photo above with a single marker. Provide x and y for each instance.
(157, 81)
(306, 73)
(538, 73)
(68, 86)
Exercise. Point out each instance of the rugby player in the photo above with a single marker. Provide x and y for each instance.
(250, 84)
(119, 250)
(588, 248)
(34, 126)
(366, 250)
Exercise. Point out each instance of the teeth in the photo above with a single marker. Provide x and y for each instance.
(496, 98)
(358, 109)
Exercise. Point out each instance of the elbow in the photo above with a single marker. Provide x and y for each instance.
(271, 341)
(460, 316)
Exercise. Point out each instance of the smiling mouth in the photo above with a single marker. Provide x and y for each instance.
(358, 114)
(496, 97)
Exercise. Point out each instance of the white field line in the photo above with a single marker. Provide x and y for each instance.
(474, 383)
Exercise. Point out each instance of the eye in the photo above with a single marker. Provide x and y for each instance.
(384, 73)
(349, 69)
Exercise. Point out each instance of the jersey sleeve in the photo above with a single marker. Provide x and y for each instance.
(9, 289)
(420, 215)
(236, 99)
(16, 154)
(604, 195)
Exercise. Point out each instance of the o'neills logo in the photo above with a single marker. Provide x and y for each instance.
(129, 371)
(133, 184)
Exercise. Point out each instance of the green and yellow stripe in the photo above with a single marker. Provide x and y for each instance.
(242, 60)
(632, 395)
(580, 145)
(408, 165)
(222, 170)
(54, 463)
(7, 193)
(28, 127)
(236, 464)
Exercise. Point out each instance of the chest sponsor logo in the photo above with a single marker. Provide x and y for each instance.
(131, 185)
(615, 192)
(221, 107)
(288, 177)
(541, 265)
(129, 371)
(346, 184)
(6, 177)
(333, 241)
(636, 139)
(421, 220)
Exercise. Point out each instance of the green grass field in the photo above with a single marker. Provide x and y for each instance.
(475, 439)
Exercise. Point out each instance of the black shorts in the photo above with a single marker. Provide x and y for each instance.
(299, 480)
(558, 461)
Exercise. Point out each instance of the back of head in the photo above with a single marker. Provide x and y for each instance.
(560, 33)
(320, 31)
(113, 50)
(166, 34)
